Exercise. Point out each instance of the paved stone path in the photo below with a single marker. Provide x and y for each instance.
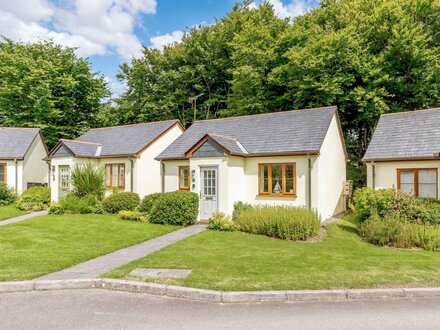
(95, 267)
(22, 218)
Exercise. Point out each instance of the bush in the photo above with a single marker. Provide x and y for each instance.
(175, 208)
(88, 180)
(132, 216)
(240, 207)
(34, 199)
(56, 208)
(124, 201)
(73, 204)
(220, 222)
(148, 202)
(6, 195)
(284, 222)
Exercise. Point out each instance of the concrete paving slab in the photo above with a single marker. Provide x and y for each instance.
(160, 272)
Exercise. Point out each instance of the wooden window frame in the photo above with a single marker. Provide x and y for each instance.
(416, 178)
(5, 176)
(111, 186)
(189, 177)
(283, 175)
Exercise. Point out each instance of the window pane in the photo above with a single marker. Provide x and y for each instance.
(428, 183)
(122, 175)
(289, 179)
(277, 179)
(184, 177)
(2, 172)
(407, 182)
(107, 175)
(264, 178)
(114, 175)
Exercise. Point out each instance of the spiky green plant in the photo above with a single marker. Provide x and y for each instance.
(88, 179)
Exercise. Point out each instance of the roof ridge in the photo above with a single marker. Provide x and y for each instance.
(409, 112)
(27, 128)
(332, 107)
(136, 124)
(223, 136)
(78, 141)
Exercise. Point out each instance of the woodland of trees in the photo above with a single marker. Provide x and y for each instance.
(367, 57)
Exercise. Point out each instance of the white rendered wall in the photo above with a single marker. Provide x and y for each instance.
(35, 168)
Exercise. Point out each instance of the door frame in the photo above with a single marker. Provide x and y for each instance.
(215, 167)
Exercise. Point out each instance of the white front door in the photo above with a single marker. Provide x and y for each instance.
(63, 181)
(208, 192)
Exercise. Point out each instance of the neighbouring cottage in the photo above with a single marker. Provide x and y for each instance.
(295, 158)
(22, 158)
(126, 152)
(404, 153)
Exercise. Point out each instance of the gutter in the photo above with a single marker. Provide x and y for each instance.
(131, 173)
(309, 182)
(373, 168)
(162, 183)
(16, 176)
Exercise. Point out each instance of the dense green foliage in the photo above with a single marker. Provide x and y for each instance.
(284, 222)
(240, 207)
(73, 204)
(6, 195)
(148, 202)
(132, 216)
(175, 208)
(34, 199)
(220, 222)
(88, 180)
(120, 201)
(47, 86)
(368, 57)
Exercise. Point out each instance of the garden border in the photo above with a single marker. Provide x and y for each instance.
(218, 296)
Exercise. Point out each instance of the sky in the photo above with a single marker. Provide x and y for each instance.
(112, 32)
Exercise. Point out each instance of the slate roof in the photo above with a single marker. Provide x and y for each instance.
(117, 141)
(406, 135)
(288, 132)
(230, 144)
(15, 142)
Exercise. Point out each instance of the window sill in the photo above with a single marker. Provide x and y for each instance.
(276, 195)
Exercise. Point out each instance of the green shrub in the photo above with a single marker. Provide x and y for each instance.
(148, 202)
(124, 201)
(88, 180)
(34, 199)
(175, 208)
(240, 207)
(132, 216)
(284, 222)
(56, 208)
(6, 195)
(220, 222)
(74, 204)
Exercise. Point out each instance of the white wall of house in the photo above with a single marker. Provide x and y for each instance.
(148, 171)
(386, 172)
(14, 174)
(35, 169)
(331, 173)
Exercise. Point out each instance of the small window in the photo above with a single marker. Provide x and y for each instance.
(3, 173)
(277, 179)
(64, 177)
(418, 182)
(183, 177)
(115, 176)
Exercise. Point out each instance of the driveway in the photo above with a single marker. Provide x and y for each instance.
(100, 309)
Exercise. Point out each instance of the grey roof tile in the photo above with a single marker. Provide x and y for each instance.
(15, 142)
(83, 149)
(126, 140)
(406, 135)
(298, 131)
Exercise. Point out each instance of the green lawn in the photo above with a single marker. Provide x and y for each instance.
(239, 261)
(10, 211)
(50, 243)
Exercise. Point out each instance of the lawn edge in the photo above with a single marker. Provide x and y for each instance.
(217, 296)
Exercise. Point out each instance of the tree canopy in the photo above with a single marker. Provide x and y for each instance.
(45, 85)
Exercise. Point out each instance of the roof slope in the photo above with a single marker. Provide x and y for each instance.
(406, 135)
(15, 142)
(298, 131)
(125, 140)
(83, 149)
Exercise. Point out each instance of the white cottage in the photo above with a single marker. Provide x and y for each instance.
(22, 158)
(126, 152)
(404, 153)
(295, 158)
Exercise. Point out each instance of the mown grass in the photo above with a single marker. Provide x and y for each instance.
(239, 261)
(50, 243)
(10, 211)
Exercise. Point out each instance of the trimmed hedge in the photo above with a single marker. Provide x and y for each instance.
(284, 222)
(148, 202)
(175, 208)
(124, 201)
(34, 199)
(74, 204)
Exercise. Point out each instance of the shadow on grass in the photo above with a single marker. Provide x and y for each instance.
(347, 228)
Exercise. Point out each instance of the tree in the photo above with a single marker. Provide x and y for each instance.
(45, 85)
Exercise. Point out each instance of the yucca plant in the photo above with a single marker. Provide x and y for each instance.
(88, 179)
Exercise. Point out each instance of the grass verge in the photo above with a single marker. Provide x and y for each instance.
(10, 211)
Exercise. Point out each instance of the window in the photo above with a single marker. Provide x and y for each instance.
(3, 173)
(277, 179)
(418, 182)
(183, 177)
(115, 176)
(64, 177)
